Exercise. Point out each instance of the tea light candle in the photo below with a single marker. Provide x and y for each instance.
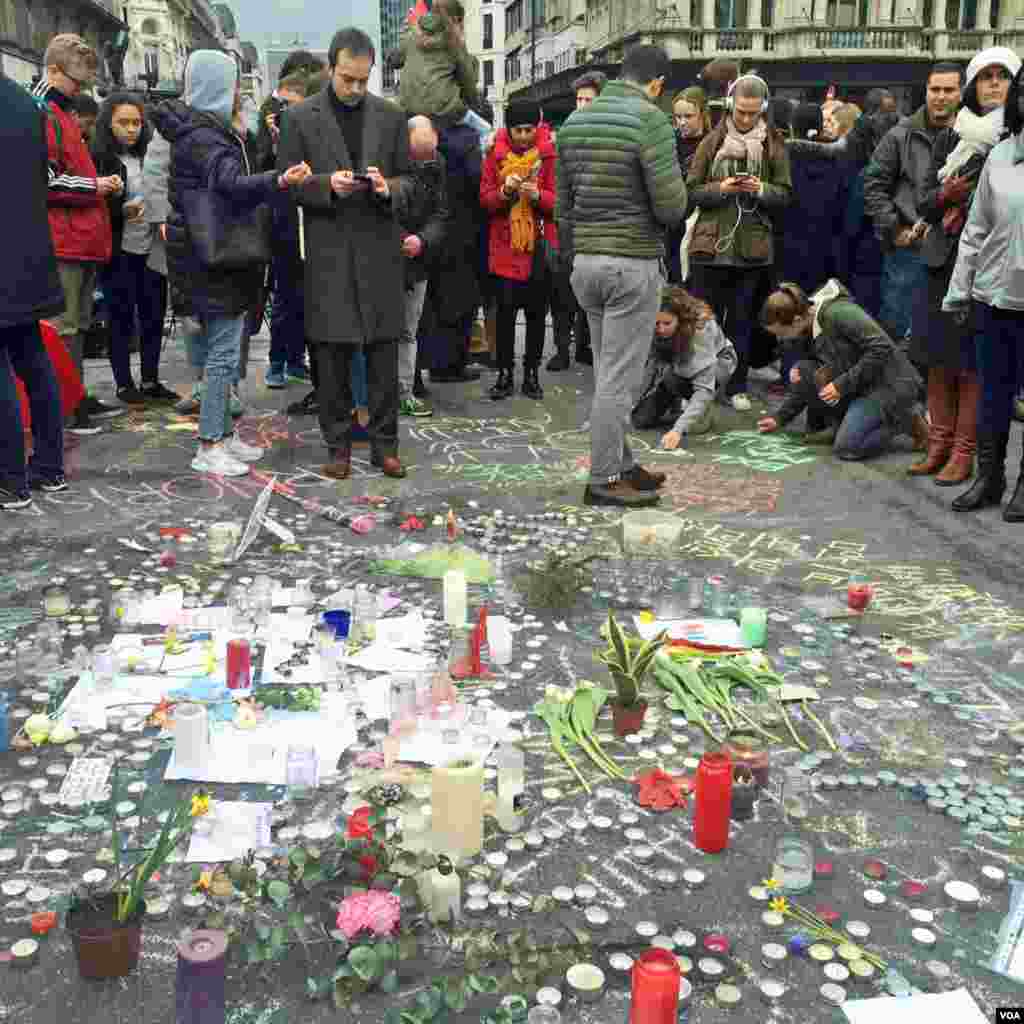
(849, 952)
(642, 853)
(552, 833)
(772, 991)
(585, 893)
(923, 936)
(820, 953)
(663, 942)
(534, 840)
(157, 909)
(193, 902)
(94, 876)
(476, 907)
(586, 981)
(772, 919)
(548, 996)
(862, 971)
(601, 823)
(874, 898)
(773, 955)
(684, 939)
(963, 895)
(597, 917)
(993, 877)
(693, 878)
(759, 893)
(562, 894)
(921, 916)
(710, 968)
(833, 994)
(621, 965)
(836, 972)
(666, 878)
(25, 952)
(728, 996)
(647, 929)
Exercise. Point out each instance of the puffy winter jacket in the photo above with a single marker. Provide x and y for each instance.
(619, 183)
(897, 173)
(503, 260)
(79, 219)
(205, 153)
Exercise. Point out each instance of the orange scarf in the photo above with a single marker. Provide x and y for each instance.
(522, 222)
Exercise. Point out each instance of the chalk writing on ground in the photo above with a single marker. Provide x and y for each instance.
(704, 488)
(766, 453)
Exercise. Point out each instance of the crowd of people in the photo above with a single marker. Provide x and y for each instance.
(873, 263)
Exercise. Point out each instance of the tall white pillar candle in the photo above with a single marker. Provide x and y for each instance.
(455, 598)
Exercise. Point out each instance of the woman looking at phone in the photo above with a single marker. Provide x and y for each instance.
(128, 284)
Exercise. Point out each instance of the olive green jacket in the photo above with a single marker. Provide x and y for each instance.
(737, 231)
(439, 75)
(619, 185)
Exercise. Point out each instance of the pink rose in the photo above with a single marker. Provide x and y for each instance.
(383, 911)
(352, 915)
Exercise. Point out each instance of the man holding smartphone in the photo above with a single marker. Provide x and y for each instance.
(358, 148)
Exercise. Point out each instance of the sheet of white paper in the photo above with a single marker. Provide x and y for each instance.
(405, 631)
(794, 691)
(956, 1007)
(381, 658)
(716, 632)
(233, 829)
(260, 755)
(426, 746)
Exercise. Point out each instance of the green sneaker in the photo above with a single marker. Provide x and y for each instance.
(410, 406)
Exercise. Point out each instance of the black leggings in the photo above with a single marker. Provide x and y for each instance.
(655, 408)
(532, 298)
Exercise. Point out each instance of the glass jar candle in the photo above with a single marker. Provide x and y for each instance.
(793, 863)
(56, 601)
(859, 592)
(713, 803)
(655, 989)
(749, 751)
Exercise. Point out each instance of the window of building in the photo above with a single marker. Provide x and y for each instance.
(513, 17)
(488, 74)
(730, 13)
(150, 27)
(488, 31)
(513, 66)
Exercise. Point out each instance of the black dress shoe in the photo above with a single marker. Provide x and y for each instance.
(503, 386)
(419, 389)
(585, 355)
(454, 375)
(308, 406)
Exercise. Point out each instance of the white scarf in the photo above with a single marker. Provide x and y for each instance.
(830, 290)
(977, 136)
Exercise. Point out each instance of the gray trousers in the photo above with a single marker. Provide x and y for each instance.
(621, 297)
(414, 297)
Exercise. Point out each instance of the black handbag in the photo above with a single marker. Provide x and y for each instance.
(223, 237)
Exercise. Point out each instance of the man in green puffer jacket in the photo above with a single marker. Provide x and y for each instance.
(619, 187)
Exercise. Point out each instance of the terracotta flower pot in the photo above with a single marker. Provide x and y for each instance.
(105, 947)
(626, 720)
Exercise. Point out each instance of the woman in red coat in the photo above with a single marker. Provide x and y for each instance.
(518, 192)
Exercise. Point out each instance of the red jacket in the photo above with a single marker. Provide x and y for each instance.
(503, 260)
(79, 218)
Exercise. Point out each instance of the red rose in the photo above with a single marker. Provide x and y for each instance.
(369, 865)
(359, 824)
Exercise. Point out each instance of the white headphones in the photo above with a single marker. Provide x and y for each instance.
(730, 101)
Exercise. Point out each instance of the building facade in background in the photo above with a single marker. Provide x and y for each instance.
(485, 40)
(799, 46)
(158, 45)
(392, 20)
(26, 26)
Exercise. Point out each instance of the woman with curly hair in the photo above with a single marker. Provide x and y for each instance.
(690, 359)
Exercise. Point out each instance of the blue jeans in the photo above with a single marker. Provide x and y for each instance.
(1000, 348)
(288, 315)
(360, 387)
(473, 120)
(214, 345)
(22, 352)
(863, 431)
(903, 276)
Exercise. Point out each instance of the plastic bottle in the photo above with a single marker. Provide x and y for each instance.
(713, 804)
(364, 614)
(499, 588)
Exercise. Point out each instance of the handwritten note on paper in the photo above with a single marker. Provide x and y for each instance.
(958, 1006)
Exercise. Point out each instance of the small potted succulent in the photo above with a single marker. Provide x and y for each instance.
(106, 928)
(628, 662)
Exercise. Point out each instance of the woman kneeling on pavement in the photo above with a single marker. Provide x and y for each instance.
(851, 374)
(690, 358)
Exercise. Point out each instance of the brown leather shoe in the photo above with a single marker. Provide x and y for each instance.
(620, 493)
(644, 480)
(340, 466)
(389, 465)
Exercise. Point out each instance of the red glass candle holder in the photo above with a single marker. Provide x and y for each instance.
(713, 804)
(655, 994)
(859, 593)
(238, 670)
(913, 890)
(875, 870)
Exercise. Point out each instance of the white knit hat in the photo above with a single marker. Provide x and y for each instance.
(1003, 56)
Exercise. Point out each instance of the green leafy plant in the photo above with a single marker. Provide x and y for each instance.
(556, 581)
(627, 665)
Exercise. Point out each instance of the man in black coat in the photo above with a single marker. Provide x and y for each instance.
(29, 290)
(358, 148)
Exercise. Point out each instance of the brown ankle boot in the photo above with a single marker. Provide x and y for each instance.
(961, 463)
(942, 411)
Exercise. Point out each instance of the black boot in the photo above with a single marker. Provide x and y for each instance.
(584, 354)
(419, 389)
(990, 483)
(503, 386)
(1014, 511)
(531, 383)
(560, 360)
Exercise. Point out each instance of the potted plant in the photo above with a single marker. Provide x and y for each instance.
(106, 928)
(628, 666)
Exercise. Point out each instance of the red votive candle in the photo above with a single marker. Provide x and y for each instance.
(713, 804)
(913, 890)
(717, 944)
(238, 671)
(876, 870)
(655, 996)
(827, 914)
(824, 869)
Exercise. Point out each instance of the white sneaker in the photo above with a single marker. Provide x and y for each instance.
(216, 458)
(741, 403)
(238, 449)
